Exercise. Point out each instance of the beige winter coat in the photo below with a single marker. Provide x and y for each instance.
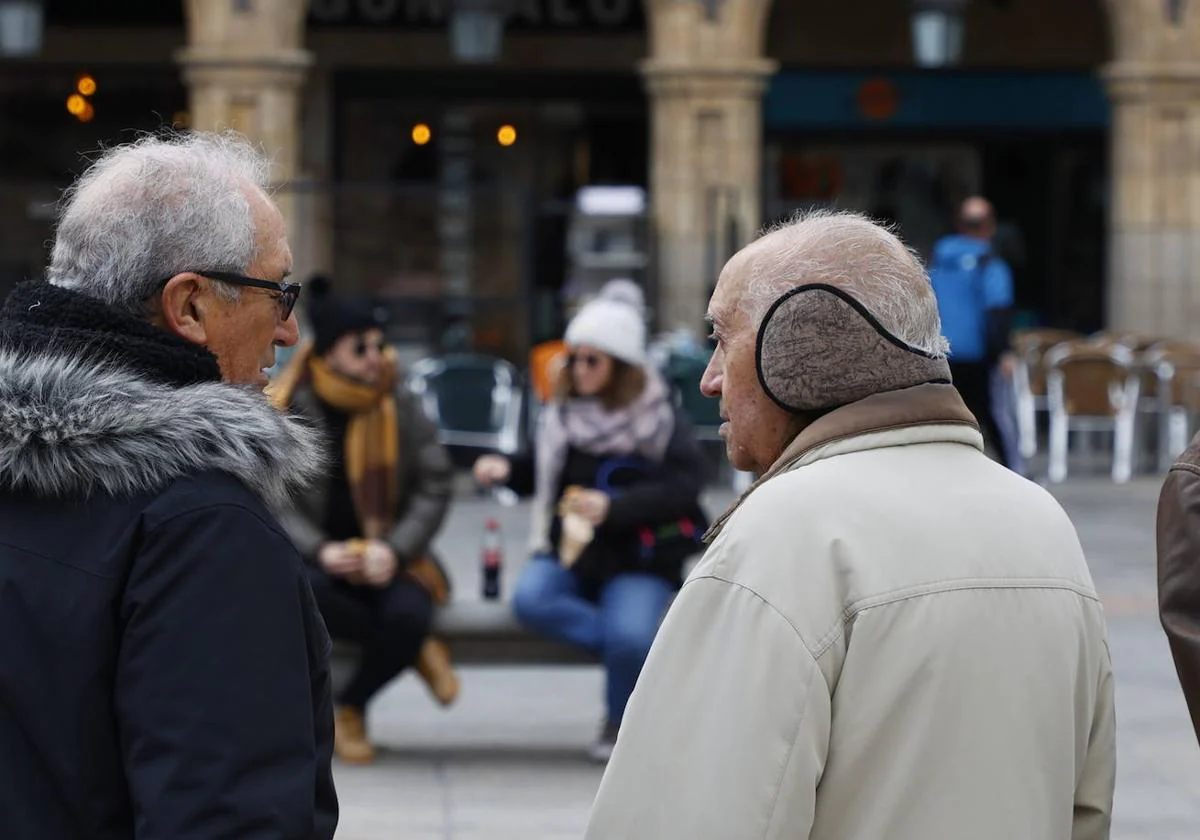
(891, 637)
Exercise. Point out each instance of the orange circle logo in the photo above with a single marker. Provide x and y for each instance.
(878, 99)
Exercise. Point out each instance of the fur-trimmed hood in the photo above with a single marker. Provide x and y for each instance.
(70, 428)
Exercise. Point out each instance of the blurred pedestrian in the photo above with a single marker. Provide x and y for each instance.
(974, 290)
(366, 528)
(165, 669)
(616, 478)
(889, 635)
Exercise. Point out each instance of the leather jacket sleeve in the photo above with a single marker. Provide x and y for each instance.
(1179, 572)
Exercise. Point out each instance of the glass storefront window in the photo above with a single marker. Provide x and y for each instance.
(454, 208)
(914, 186)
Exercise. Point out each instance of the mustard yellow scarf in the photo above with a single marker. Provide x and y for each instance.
(372, 446)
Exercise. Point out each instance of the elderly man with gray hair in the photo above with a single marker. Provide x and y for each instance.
(164, 670)
(890, 635)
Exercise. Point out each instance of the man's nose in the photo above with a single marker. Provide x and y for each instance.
(287, 333)
(710, 382)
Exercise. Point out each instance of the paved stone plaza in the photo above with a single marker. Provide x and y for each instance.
(507, 762)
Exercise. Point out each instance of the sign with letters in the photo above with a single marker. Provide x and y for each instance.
(598, 16)
(594, 15)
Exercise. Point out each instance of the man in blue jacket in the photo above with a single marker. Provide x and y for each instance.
(163, 667)
(974, 292)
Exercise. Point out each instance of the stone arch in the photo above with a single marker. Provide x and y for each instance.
(705, 77)
(855, 146)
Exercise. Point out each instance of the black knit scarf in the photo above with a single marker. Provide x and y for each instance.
(39, 319)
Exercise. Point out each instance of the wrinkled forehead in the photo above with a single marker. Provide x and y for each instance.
(270, 230)
(726, 299)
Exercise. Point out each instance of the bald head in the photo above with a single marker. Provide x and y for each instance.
(815, 343)
(977, 218)
(853, 253)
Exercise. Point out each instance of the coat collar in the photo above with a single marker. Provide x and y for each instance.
(937, 411)
(73, 427)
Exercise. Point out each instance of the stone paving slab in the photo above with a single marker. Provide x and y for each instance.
(508, 761)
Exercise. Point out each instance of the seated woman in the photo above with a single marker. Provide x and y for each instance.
(616, 477)
(367, 528)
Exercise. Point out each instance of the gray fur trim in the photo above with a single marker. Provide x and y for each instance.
(69, 428)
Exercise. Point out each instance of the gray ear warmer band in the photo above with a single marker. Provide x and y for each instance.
(819, 348)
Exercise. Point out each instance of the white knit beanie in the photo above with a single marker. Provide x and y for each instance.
(614, 322)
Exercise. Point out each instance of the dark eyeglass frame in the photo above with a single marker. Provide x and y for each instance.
(590, 360)
(362, 345)
(289, 293)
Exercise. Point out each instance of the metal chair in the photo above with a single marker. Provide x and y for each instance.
(1092, 386)
(683, 373)
(1135, 341)
(1029, 381)
(1176, 368)
(474, 400)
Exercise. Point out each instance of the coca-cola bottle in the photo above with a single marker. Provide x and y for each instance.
(493, 559)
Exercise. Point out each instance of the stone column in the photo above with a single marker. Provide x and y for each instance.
(245, 67)
(312, 240)
(705, 78)
(1154, 242)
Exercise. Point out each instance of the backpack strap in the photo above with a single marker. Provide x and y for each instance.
(997, 320)
(979, 273)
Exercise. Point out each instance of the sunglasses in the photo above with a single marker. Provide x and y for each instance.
(588, 360)
(286, 297)
(362, 346)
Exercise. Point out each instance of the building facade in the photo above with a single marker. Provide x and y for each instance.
(407, 173)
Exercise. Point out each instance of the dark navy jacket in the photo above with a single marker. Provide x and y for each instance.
(163, 667)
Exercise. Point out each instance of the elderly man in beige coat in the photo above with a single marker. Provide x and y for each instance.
(890, 636)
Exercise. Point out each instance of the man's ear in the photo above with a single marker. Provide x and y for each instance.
(183, 306)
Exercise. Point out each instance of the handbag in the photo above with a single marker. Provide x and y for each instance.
(671, 543)
(663, 547)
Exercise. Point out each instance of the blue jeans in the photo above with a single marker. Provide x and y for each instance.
(619, 629)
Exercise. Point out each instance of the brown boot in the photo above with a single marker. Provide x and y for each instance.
(350, 736)
(433, 664)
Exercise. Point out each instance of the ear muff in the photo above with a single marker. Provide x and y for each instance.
(818, 348)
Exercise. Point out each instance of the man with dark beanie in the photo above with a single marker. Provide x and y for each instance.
(366, 527)
(163, 667)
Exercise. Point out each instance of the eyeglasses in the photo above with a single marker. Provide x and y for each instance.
(288, 293)
(361, 348)
(588, 360)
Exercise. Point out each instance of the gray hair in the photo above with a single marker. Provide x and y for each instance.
(849, 251)
(147, 210)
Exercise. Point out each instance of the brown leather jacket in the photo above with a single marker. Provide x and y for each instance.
(1179, 571)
